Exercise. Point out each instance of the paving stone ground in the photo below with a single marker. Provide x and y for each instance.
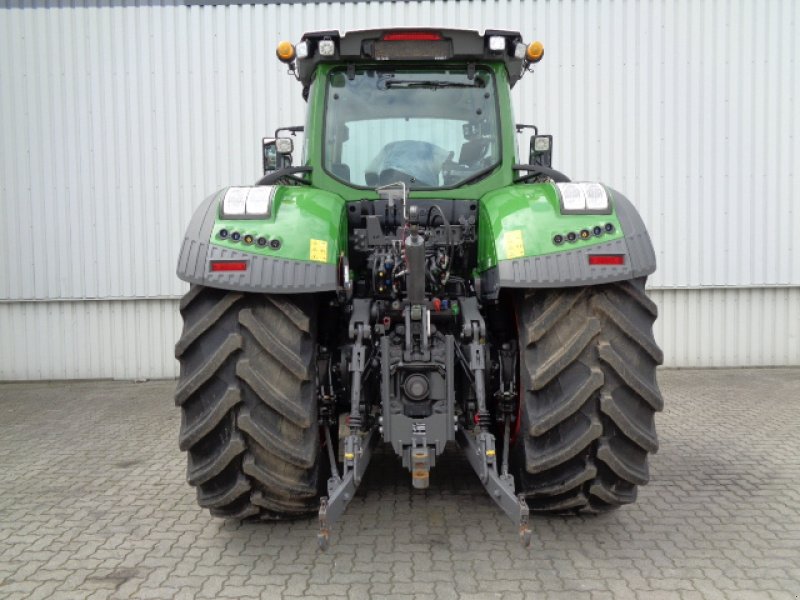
(93, 504)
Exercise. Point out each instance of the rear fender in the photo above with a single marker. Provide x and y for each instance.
(517, 246)
(305, 234)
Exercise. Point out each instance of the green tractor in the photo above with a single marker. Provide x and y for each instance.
(408, 280)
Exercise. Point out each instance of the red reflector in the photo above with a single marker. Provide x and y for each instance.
(606, 259)
(228, 265)
(412, 36)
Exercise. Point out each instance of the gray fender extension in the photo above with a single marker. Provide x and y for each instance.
(264, 274)
(571, 268)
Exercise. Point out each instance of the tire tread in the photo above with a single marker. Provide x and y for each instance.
(588, 362)
(248, 403)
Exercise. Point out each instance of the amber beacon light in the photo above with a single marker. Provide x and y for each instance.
(535, 52)
(285, 51)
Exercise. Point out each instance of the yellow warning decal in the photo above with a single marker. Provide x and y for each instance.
(514, 246)
(318, 250)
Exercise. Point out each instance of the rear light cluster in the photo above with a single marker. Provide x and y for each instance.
(327, 46)
(248, 239)
(287, 53)
(583, 234)
(531, 53)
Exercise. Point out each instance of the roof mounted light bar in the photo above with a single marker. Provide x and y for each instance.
(409, 45)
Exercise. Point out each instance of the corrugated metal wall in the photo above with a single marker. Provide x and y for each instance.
(115, 121)
(134, 339)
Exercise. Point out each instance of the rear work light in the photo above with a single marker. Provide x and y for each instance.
(606, 259)
(497, 43)
(326, 48)
(228, 265)
(412, 36)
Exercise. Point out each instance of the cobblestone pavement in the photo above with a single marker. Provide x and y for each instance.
(93, 504)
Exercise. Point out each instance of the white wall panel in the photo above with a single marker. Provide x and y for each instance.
(115, 121)
(729, 327)
(129, 339)
(134, 339)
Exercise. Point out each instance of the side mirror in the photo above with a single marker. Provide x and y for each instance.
(277, 153)
(541, 152)
(270, 155)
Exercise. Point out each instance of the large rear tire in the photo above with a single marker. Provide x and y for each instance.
(589, 393)
(247, 392)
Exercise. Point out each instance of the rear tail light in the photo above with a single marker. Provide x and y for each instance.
(606, 259)
(228, 265)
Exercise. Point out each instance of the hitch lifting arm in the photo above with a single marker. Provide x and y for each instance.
(357, 446)
(482, 457)
(357, 454)
(479, 446)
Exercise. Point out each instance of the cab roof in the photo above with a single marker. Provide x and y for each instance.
(423, 45)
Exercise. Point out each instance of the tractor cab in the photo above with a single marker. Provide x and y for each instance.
(428, 108)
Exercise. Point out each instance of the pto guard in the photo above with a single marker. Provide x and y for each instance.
(304, 220)
(532, 213)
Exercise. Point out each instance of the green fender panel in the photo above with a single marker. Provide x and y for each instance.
(303, 239)
(517, 246)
